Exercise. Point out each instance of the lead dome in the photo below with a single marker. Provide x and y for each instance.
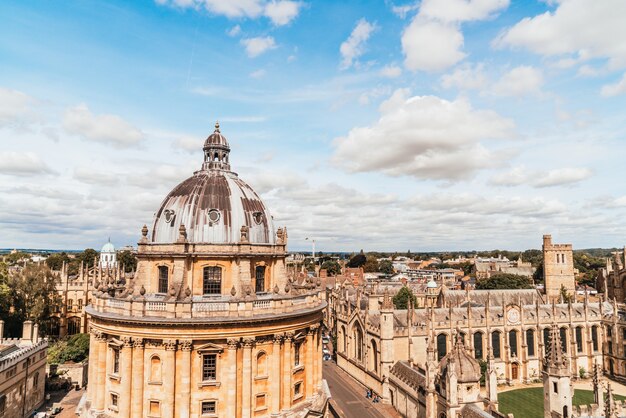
(214, 204)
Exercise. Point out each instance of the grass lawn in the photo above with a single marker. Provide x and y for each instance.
(528, 403)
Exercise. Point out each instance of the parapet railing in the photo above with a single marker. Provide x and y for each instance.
(224, 306)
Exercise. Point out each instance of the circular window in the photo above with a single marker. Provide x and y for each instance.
(258, 217)
(170, 216)
(214, 215)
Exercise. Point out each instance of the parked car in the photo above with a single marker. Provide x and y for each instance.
(326, 357)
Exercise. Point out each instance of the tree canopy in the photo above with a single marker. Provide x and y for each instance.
(385, 267)
(358, 260)
(505, 281)
(128, 260)
(402, 298)
(74, 348)
(332, 267)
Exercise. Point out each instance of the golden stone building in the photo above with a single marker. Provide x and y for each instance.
(210, 325)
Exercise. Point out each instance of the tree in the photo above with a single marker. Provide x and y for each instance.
(32, 297)
(332, 267)
(75, 348)
(128, 260)
(55, 261)
(371, 264)
(358, 260)
(565, 295)
(88, 257)
(505, 281)
(386, 267)
(402, 298)
(16, 257)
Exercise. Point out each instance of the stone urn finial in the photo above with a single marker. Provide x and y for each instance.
(187, 291)
(276, 289)
(142, 291)
(288, 288)
(244, 234)
(172, 291)
(182, 234)
(144, 234)
(233, 291)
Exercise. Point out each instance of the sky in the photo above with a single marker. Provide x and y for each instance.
(376, 125)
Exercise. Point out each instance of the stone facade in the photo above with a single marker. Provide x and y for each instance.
(207, 329)
(22, 372)
(558, 268)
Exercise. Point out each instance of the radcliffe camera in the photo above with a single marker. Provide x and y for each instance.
(312, 209)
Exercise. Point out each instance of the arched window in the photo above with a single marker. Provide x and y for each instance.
(70, 303)
(163, 279)
(513, 343)
(259, 275)
(442, 348)
(530, 342)
(546, 341)
(155, 369)
(563, 333)
(594, 337)
(373, 357)
(80, 304)
(495, 344)
(579, 339)
(73, 325)
(212, 281)
(344, 342)
(358, 342)
(261, 364)
(36, 380)
(478, 345)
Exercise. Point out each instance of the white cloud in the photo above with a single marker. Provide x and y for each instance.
(537, 178)
(390, 71)
(191, 144)
(234, 31)
(22, 164)
(429, 45)
(104, 128)
(15, 106)
(584, 29)
(461, 10)
(520, 81)
(614, 89)
(402, 11)
(282, 12)
(259, 45)
(465, 77)
(258, 74)
(353, 47)
(425, 137)
(90, 176)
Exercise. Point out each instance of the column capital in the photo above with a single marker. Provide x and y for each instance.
(185, 345)
(137, 342)
(100, 336)
(314, 328)
(278, 338)
(170, 345)
(127, 342)
(289, 335)
(248, 342)
(232, 343)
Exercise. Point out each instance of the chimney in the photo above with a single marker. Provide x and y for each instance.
(27, 332)
(547, 240)
(1, 331)
(36, 333)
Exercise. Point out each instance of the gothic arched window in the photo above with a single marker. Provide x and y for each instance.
(594, 337)
(495, 344)
(579, 339)
(513, 343)
(563, 333)
(530, 342)
(442, 348)
(478, 345)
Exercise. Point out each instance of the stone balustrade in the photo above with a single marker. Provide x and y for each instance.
(152, 306)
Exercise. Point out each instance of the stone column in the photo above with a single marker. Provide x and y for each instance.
(169, 379)
(275, 376)
(246, 380)
(231, 378)
(101, 371)
(308, 367)
(317, 357)
(138, 378)
(125, 377)
(287, 367)
(93, 363)
(184, 393)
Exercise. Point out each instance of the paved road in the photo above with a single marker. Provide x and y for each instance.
(349, 395)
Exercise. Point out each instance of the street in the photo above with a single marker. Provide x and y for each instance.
(348, 394)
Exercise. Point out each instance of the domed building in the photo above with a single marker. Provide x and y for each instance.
(108, 257)
(210, 325)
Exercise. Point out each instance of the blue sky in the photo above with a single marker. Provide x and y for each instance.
(433, 125)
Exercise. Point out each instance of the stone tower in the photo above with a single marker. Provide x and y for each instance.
(558, 268)
(557, 387)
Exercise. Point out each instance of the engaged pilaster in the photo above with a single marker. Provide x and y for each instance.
(137, 383)
(125, 377)
(246, 392)
(169, 378)
(231, 377)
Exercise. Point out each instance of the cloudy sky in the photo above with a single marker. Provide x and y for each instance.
(382, 125)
